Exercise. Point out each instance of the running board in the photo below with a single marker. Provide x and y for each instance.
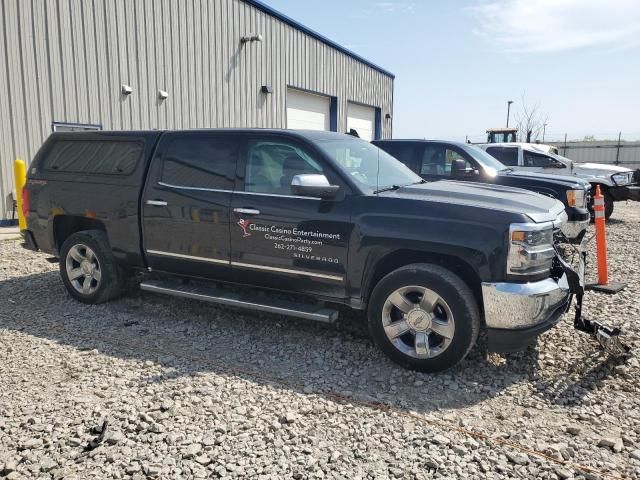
(242, 300)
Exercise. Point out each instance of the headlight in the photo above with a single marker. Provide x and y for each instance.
(622, 178)
(576, 198)
(530, 249)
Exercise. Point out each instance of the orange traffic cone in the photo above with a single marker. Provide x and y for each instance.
(603, 284)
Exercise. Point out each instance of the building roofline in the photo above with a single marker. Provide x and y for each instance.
(290, 21)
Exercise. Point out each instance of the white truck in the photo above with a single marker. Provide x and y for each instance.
(616, 183)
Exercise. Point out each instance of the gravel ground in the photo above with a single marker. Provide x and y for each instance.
(150, 386)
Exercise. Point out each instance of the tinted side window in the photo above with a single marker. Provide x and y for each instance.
(94, 156)
(272, 164)
(451, 155)
(433, 161)
(405, 152)
(532, 159)
(507, 155)
(200, 161)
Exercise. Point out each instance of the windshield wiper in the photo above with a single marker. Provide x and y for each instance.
(387, 189)
(396, 187)
(507, 169)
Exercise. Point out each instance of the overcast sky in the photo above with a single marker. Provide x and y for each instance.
(458, 62)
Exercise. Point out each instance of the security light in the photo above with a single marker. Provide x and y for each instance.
(266, 89)
(252, 37)
(126, 89)
(162, 95)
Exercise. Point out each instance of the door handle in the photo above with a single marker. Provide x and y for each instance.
(247, 211)
(156, 203)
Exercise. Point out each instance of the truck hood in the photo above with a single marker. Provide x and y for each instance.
(599, 169)
(539, 208)
(564, 180)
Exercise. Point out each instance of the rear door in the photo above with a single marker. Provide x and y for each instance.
(507, 155)
(280, 240)
(406, 152)
(186, 202)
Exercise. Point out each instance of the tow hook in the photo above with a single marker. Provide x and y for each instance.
(608, 337)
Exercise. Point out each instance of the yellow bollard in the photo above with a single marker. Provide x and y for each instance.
(20, 174)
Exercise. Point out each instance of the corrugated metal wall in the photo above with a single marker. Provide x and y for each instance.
(625, 154)
(65, 61)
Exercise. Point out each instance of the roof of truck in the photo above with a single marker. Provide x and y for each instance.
(310, 134)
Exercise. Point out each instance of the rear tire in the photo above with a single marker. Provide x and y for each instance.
(88, 269)
(424, 317)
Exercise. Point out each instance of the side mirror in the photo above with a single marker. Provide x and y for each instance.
(459, 168)
(554, 164)
(313, 185)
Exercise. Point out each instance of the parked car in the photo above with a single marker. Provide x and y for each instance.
(616, 183)
(327, 218)
(440, 159)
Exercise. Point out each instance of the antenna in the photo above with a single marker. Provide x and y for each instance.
(378, 172)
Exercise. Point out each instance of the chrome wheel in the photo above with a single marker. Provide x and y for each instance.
(418, 322)
(83, 269)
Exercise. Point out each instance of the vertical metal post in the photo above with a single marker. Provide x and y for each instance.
(618, 149)
(20, 175)
(509, 102)
(565, 145)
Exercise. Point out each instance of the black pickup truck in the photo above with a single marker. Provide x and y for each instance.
(329, 219)
(440, 159)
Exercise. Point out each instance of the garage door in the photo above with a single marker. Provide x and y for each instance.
(362, 120)
(307, 111)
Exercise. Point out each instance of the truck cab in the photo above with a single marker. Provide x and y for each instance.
(501, 135)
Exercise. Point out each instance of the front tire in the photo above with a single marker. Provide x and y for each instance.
(608, 205)
(88, 269)
(424, 317)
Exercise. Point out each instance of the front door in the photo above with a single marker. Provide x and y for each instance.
(540, 162)
(435, 161)
(186, 202)
(280, 240)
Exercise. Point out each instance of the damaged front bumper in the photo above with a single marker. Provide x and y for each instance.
(575, 230)
(628, 192)
(516, 313)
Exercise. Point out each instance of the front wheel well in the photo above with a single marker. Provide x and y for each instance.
(401, 258)
(66, 225)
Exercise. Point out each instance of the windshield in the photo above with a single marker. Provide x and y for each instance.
(368, 165)
(560, 157)
(483, 158)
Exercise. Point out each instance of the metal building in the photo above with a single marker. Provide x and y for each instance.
(156, 64)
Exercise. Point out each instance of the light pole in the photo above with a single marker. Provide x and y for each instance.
(508, 108)
(544, 129)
